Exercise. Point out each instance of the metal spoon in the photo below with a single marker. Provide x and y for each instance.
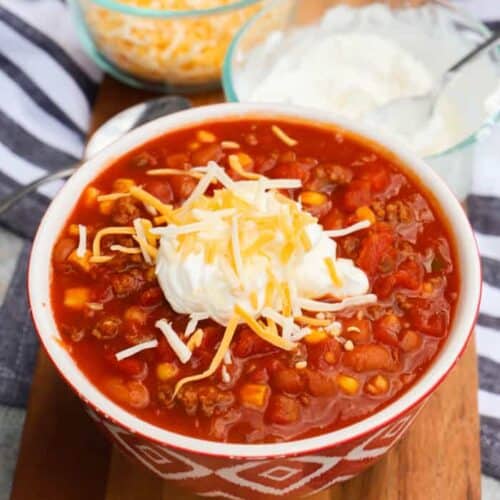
(409, 114)
(107, 133)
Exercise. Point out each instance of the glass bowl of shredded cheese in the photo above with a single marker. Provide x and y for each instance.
(163, 45)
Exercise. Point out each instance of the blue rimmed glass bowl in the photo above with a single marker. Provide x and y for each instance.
(264, 41)
(144, 45)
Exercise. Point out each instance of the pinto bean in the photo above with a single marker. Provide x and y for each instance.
(320, 384)
(283, 410)
(369, 357)
(288, 380)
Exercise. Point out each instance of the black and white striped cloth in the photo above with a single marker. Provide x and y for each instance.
(47, 86)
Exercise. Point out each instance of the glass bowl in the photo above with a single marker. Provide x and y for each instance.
(425, 28)
(147, 46)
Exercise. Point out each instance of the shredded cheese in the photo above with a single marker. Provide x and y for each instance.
(226, 378)
(111, 197)
(332, 271)
(177, 345)
(100, 259)
(131, 351)
(229, 145)
(216, 360)
(316, 305)
(235, 164)
(140, 237)
(282, 136)
(195, 340)
(82, 242)
(142, 195)
(339, 233)
(235, 247)
(174, 171)
(123, 249)
(193, 322)
(96, 244)
(307, 320)
(177, 50)
(262, 332)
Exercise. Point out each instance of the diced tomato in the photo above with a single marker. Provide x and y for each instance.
(426, 317)
(384, 286)
(357, 194)
(293, 170)
(334, 219)
(375, 246)
(409, 275)
(377, 175)
(128, 366)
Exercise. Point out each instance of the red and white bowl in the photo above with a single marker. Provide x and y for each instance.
(220, 470)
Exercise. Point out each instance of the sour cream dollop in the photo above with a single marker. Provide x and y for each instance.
(195, 283)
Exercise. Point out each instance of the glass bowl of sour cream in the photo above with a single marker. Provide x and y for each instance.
(353, 56)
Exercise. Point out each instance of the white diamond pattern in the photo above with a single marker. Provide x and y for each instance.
(279, 473)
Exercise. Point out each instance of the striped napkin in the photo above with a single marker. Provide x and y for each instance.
(47, 86)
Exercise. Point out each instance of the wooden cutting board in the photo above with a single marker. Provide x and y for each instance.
(63, 456)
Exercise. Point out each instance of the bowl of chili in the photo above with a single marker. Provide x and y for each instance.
(253, 299)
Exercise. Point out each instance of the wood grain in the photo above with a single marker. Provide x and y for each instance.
(64, 457)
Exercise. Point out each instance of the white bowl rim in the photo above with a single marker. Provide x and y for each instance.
(39, 283)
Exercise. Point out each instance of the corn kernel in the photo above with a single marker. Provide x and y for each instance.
(365, 213)
(166, 371)
(427, 287)
(82, 262)
(205, 136)
(123, 185)
(377, 385)
(90, 196)
(330, 357)
(349, 345)
(313, 198)
(194, 145)
(347, 384)
(254, 395)
(73, 230)
(315, 337)
(76, 298)
(105, 207)
(245, 160)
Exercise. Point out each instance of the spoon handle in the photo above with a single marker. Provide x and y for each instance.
(483, 47)
(10, 200)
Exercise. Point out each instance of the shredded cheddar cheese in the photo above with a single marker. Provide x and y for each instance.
(177, 50)
(282, 136)
(332, 271)
(217, 359)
